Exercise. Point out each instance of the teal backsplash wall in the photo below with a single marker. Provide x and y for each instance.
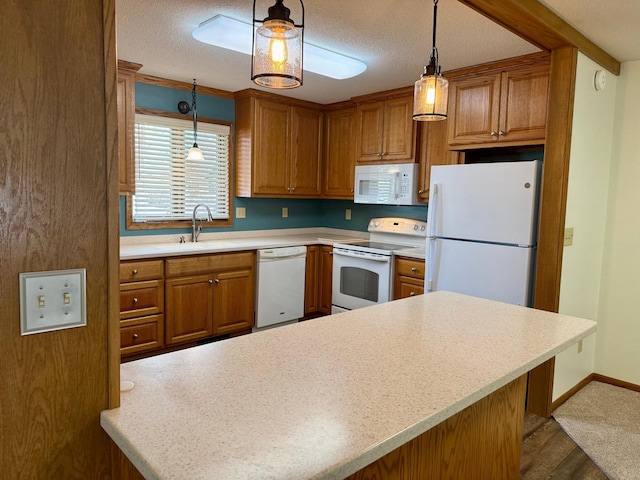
(263, 213)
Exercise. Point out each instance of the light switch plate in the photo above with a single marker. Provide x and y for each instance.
(568, 236)
(241, 212)
(52, 300)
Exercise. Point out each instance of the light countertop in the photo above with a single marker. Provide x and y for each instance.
(168, 245)
(325, 397)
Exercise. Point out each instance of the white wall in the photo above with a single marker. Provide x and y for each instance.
(591, 146)
(618, 342)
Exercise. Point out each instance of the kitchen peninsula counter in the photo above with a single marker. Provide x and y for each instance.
(324, 398)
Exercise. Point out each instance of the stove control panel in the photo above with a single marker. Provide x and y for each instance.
(404, 226)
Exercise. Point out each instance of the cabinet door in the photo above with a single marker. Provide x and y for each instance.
(404, 287)
(311, 280)
(326, 275)
(271, 162)
(233, 300)
(474, 107)
(339, 153)
(523, 105)
(399, 130)
(370, 125)
(126, 124)
(306, 152)
(189, 308)
(433, 151)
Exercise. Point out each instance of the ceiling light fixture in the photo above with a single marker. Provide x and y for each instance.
(195, 153)
(235, 35)
(431, 91)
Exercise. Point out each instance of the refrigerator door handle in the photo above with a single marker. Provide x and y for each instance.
(433, 209)
(430, 265)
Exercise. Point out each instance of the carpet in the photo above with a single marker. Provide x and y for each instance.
(604, 421)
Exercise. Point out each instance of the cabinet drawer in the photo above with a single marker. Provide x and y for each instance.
(141, 334)
(196, 264)
(409, 267)
(136, 270)
(407, 287)
(141, 298)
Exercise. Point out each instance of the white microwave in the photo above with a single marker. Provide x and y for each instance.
(390, 184)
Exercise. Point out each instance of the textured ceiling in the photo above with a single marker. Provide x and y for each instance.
(393, 38)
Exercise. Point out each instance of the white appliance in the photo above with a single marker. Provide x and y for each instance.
(482, 230)
(391, 184)
(362, 270)
(280, 285)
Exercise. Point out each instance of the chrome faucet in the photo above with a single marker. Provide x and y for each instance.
(197, 229)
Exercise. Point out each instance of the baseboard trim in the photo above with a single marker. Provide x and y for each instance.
(571, 392)
(614, 381)
(595, 377)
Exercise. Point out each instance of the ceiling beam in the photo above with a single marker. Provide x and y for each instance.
(540, 26)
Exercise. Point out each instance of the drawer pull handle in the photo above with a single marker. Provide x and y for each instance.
(135, 271)
(217, 280)
(210, 282)
(135, 336)
(135, 299)
(414, 269)
(412, 294)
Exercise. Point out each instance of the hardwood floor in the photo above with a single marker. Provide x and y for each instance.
(549, 453)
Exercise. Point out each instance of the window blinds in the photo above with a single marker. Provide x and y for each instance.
(168, 186)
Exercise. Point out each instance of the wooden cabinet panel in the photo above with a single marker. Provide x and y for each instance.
(523, 111)
(271, 170)
(339, 153)
(195, 264)
(306, 152)
(399, 130)
(408, 279)
(126, 122)
(474, 109)
(278, 149)
(326, 276)
(433, 151)
(189, 308)
(137, 270)
(139, 299)
(508, 107)
(141, 334)
(233, 301)
(386, 132)
(311, 281)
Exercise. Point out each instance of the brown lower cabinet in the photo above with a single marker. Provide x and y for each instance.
(408, 279)
(208, 295)
(318, 276)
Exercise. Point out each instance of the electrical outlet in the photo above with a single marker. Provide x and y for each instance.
(347, 214)
(241, 212)
(285, 212)
(568, 236)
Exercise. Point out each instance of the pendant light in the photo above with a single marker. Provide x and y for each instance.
(195, 153)
(431, 91)
(277, 48)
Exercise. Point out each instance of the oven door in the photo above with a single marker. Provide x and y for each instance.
(360, 279)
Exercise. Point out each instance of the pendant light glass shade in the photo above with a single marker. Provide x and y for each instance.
(431, 91)
(430, 97)
(277, 49)
(195, 153)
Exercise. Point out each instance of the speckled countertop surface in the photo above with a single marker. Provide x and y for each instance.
(326, 397)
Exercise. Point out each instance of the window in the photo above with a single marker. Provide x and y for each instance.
(167, 185)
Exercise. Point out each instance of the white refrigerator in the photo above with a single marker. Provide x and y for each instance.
(482, 230)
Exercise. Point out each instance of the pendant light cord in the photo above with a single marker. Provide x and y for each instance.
(434, 50)
(195, 114)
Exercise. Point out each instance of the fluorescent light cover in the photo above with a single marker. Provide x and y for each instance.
(235, 35)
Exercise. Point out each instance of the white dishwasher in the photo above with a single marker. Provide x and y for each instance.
(280, 286)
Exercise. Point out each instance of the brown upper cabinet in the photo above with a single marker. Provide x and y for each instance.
(278, 146)
(386, 132)
(433, 148)
(339, 153)
(126, 123)
(508, 107)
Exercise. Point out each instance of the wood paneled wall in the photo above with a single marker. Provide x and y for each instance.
(54, 214)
